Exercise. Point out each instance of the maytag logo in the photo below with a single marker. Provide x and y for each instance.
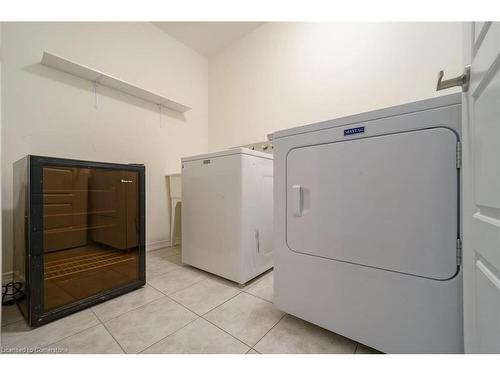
(352, 131)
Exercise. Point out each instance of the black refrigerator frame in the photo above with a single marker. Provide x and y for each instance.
(31, 305)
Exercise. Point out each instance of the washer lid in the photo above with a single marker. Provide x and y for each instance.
(389, 202)
(231, 151)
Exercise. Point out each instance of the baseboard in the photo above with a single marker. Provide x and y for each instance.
(157, 245)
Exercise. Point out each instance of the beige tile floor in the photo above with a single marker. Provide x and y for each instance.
(180, 310)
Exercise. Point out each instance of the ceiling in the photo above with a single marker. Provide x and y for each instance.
(207, 38)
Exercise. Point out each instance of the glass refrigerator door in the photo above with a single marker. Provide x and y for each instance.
(90, 232)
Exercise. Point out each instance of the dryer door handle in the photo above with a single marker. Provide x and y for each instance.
(297, 200)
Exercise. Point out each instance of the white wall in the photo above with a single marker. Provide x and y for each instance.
(283, 75)
(47, 112)
(278, 76)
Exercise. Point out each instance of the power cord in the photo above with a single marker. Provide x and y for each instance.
(12, 293)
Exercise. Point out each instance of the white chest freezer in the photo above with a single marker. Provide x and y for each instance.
(227, 213)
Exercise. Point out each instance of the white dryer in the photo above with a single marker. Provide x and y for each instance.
(227, 213)
(367, 226)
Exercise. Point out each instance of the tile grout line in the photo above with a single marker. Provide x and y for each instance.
(162, 274)
(230, 334)
(265, 334)
(177, 330)
(205, 277)
(166, 294)
(73, 334)
(101, 322)
(257, 280)
(133, 309)
(220, 304)
(163, 338)
(223, 330)
(106, 328)
(253, 295)
(239, 292)
(197, 316)
(178, 303)
(209, 276)
(177, 266)
(171, 299)
(189, 286)
(158, 290)
(202, 317)
(208, 321)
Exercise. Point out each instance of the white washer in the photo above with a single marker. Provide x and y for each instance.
(367, 229)
(227, 213)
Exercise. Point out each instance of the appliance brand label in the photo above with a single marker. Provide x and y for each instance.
(353, 131)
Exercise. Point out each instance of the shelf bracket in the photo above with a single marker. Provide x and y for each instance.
(96, 98)
(159, 110)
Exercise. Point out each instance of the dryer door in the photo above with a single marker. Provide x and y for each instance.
(387, 201)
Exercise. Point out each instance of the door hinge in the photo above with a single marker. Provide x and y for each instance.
(459, 155)
(459, 252)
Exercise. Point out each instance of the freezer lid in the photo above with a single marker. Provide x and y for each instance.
(422, 105)
(231, 151)
(389, 202)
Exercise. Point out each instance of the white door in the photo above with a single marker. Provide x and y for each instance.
(388, 202)
(481, 189)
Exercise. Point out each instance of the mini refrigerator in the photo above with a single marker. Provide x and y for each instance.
(79, 234)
